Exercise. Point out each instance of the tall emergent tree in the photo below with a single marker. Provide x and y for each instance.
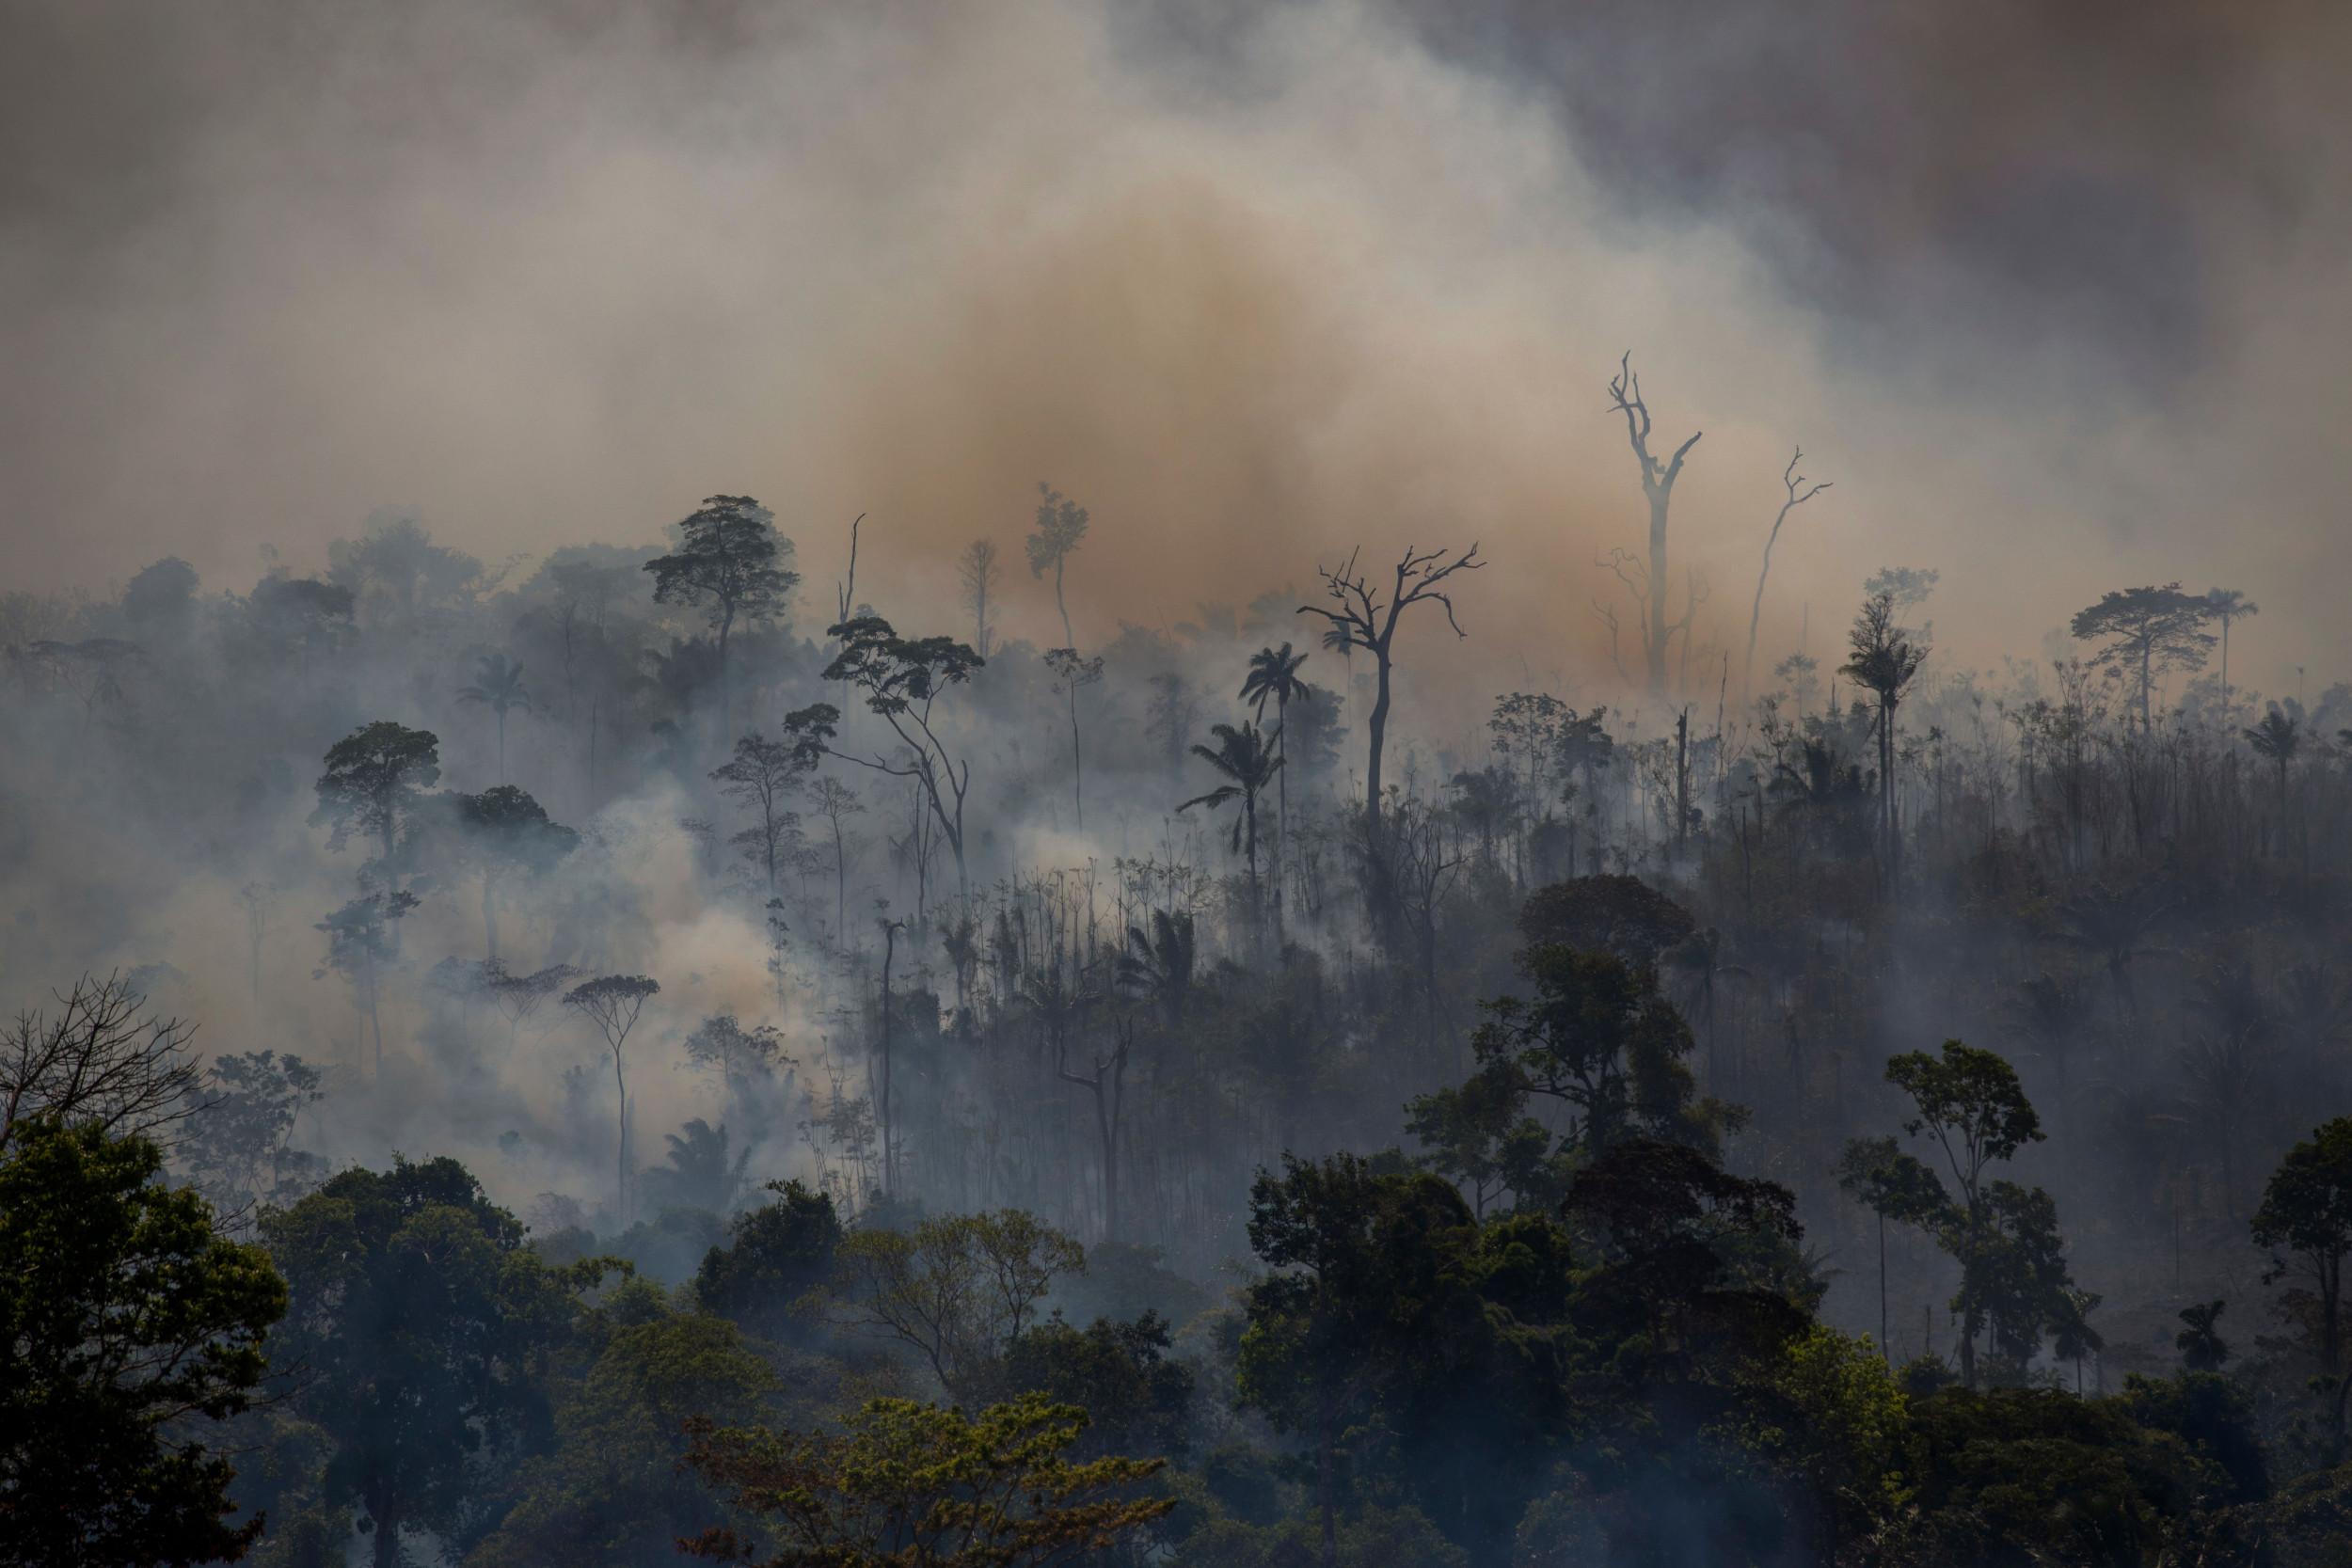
(761, 776)
(1969, 1102)
(1365, 619)
(1657, 488)
(2228, 606)
(130, 1325)
(612, 1003)
(1061, 527)
(2147, 632)
(731, 563)
(977, 572)
(1072, 674)
(1800, 492)
(901, 678)
(1884, 660)
(374, 784)
(508, 834)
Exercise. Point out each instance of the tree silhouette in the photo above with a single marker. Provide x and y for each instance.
(1657, 488)
(362, 937)
(498, 685)
(1061, 527)
(2277, 738)
(1246, 760)
(901, 679)
(375, 782)
(1364, 618)
(2228, 606)
(1969, 1102)
(2145, 632)
(978, 571)
(613, 1002)
(1800, 492)
(836, 804)
(1274, 678)
(1884, 660)
(761, 776)
(507, 832)
(1071, 674)
(2202, 1347)
(730, 563)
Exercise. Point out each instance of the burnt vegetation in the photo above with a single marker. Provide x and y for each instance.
(689, 1078)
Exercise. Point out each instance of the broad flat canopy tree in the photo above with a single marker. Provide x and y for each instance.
(730, 563)
(2146, 632)
(375, 782)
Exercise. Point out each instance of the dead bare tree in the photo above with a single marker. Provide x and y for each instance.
(1657, 485)
(98, 1059)
(1799, 493)
(1109, 1084)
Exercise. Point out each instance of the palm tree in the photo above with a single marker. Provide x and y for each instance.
(1159, 963)
(1883, 661)
(1246, 758)
(2202, 1347)
(1274, 678)
(2277, 737)
(2226, 605)
(498, 685)
(2114, 924)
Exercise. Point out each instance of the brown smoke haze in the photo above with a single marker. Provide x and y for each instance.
(2058, 307)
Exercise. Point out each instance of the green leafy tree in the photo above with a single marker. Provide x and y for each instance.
(131, 1326)
(1599, 1037)
(1969, 1103)
(613, 1486)
(908, 1485)
(730, 563)
(2306, 1222)
(774, 1255)
(425, 1329)
(955, 1290)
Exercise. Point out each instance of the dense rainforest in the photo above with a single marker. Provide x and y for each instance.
(572, 1061)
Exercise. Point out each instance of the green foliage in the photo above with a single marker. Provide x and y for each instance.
(2012, 1477)
(1121, 1374)
(425, 1330)
(1616, 914)
(1599, 1037)
(774, 1256)
(955, 1290)
(131, 1328)
(908, 1485)
(613, 1487)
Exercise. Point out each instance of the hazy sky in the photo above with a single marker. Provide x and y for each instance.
(2055, 295)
